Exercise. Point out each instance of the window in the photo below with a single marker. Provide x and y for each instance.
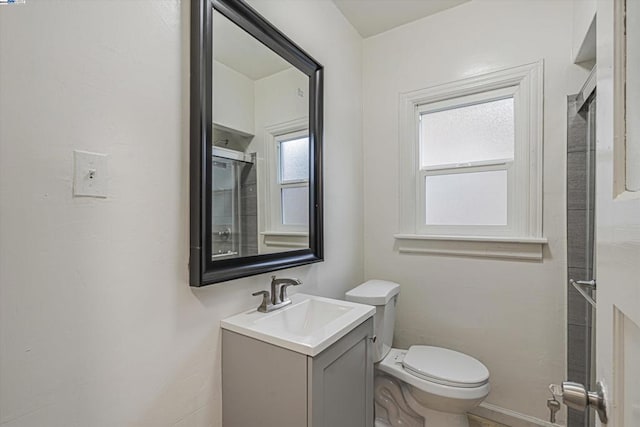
(471, 165)
(293, 179)
(466, 164)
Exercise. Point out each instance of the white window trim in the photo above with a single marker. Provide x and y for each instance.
(277, 234)
(286, 239)
(525, 84)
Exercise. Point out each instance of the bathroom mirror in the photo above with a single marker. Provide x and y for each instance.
(256, 146)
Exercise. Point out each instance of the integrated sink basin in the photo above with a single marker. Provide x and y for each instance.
(309, 325)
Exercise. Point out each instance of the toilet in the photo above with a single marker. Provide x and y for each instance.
(424, 386)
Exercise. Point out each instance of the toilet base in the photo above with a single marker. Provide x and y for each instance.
(395, 407)
(443, 419)
(432, 419)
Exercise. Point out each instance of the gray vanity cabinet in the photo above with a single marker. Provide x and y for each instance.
(269, 386)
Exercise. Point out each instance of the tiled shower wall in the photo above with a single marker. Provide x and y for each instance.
(248, 211)
(580, 215)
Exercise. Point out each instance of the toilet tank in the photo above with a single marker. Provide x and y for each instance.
(383, 295)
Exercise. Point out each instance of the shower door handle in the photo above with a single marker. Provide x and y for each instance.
(582, 286)
(586, 283)
(576, 396)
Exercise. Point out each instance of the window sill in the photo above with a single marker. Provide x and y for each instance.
(286, 239)
(522, 248)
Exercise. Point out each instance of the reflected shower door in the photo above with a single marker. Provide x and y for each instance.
(234, 219)
(226, 208)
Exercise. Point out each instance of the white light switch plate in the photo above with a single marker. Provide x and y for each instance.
(90, 174)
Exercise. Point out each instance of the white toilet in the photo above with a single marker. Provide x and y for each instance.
(423, 386)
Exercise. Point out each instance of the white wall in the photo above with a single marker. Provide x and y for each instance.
(509, 314)
(233, 100)
(277, 100)
(98, 326)
(584, 15)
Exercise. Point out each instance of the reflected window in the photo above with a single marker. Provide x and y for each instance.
(293, 178)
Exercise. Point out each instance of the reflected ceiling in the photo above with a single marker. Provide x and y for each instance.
(240, 51)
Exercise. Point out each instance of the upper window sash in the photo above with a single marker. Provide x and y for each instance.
(458, 103)
(281, 139)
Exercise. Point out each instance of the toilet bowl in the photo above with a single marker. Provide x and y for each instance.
(424, 386)
(441, 392)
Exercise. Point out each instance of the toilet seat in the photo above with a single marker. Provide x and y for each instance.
(392, 365)
(444, 366)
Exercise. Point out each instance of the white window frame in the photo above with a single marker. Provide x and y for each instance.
(522, 237)
(276, 234)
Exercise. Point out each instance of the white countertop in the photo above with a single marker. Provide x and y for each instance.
(308, 326)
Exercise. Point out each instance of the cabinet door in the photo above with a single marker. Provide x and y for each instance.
(262, 385)
(341, 382)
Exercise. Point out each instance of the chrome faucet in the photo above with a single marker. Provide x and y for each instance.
(275, 300)
(284, 283)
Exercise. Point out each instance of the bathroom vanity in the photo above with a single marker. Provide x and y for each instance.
(309, 364)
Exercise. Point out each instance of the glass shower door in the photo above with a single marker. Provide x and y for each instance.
(226, 208)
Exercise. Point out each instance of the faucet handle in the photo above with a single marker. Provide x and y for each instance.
(265, 300)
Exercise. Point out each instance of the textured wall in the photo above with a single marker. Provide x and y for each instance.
(98, 326)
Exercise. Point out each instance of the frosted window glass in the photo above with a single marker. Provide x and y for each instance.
(295, 205)
(473, 133)
(294, 160)
(477, 198)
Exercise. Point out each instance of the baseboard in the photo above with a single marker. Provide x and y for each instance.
(509, 417)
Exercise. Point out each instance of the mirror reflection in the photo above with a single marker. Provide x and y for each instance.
(260, 199)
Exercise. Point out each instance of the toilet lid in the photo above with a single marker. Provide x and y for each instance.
(444, 366)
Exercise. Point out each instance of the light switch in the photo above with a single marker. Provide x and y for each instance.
(90, 174)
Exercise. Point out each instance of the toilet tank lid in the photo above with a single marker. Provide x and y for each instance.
(373, 292)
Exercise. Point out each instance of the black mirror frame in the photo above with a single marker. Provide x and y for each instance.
(202, 269)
